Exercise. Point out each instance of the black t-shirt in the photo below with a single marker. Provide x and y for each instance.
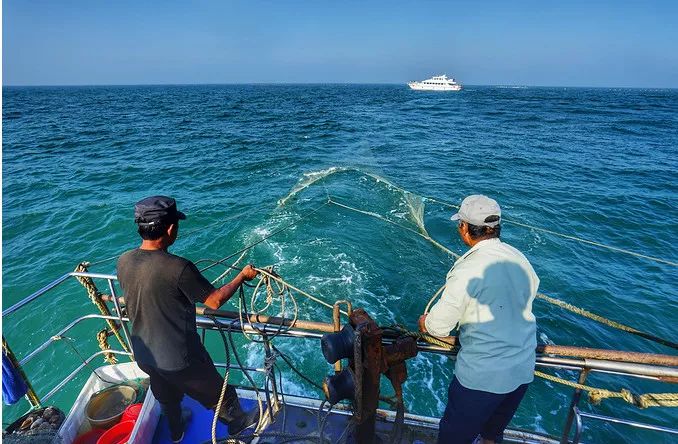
(161, 291)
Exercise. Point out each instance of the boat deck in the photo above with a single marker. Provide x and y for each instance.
(298, 420)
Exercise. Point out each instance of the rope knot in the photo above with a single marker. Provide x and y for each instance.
(269, 361)
(102, 340)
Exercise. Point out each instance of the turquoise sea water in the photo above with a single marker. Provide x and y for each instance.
(595, 163)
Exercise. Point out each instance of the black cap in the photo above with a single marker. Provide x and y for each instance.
(157, 209)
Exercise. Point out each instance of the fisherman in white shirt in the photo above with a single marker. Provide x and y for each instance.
(488, 294)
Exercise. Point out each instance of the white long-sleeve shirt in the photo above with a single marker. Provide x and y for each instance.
(489, 293)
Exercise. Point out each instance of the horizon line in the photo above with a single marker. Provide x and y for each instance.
(75, 85)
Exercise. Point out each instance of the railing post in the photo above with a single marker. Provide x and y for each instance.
(579, 425)
(573, 405)
(31, 396)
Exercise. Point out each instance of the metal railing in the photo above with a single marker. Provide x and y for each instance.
(579, 423)
(33, 397)
(575, 416)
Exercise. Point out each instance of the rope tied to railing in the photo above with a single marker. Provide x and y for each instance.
(92, 291)
(596, 395)
(270, 360)
(102, 340)
(97, 299)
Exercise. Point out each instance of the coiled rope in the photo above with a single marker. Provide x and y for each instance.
(298, 290)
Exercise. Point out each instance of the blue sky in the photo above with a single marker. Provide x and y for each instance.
(571, 43)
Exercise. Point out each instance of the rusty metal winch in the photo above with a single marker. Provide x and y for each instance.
(360, 341)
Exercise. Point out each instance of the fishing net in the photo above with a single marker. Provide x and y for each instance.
(415, 203)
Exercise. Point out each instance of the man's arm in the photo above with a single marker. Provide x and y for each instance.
(222, 294)
(447, 312)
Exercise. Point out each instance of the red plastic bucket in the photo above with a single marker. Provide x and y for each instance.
(118, 434)
(90, 437)
(131, 413)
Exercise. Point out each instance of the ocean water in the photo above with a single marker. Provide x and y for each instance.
(600, 164)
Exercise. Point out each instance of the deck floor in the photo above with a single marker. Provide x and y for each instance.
(301, 423)
(292, 420)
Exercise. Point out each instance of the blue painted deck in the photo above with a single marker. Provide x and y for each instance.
(199, 430)
(291, 420)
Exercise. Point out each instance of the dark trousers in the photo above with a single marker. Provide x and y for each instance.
(200, 380)
(473, 412)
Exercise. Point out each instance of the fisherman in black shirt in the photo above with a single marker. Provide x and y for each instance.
(161, 291)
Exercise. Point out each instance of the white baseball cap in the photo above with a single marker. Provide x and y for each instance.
(478, 210)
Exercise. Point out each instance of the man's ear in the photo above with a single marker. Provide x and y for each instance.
(170, 228)
(463, 231)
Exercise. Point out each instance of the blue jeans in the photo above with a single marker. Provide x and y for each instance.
(472, 412)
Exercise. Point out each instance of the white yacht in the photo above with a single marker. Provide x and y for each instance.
(436, 83)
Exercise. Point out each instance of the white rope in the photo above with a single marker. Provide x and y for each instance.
(217, 409)
(379, 216)
(433, 298)
(570, 237)
(597, 244)
(230, 268)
